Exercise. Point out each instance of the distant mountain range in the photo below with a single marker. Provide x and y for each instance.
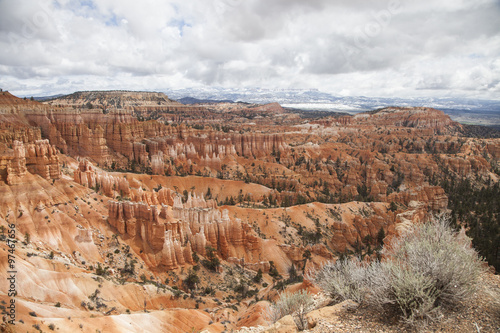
(44, 98)
(463, 110)
(192, 100)
(470, 111)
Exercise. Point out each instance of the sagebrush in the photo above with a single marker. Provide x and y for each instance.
(344, 279)
(296, 304)
(428, 268)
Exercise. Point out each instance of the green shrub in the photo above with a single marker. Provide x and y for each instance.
(101, 271)
(176, 292)
(258, 277)
(273, 271)
(213, 262)
(208, 291)
(191, 280)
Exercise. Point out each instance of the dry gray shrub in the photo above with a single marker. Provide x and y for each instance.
(429, 267)
(344, 279)
(296, 304)
(492, 295)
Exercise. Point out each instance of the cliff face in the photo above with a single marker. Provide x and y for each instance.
(76, 129)
(174, 233)
(39, 158)
(88, 133)
(169, 229)
(110, 186)
(42, 159)
(108, 137)
(208, 145)
(16, 167)
(100, 137)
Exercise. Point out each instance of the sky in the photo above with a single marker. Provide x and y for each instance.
(383, 48)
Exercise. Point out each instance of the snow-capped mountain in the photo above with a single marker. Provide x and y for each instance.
(483, 112)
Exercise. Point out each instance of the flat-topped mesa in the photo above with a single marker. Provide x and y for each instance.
(173, 232)
(118, 99)
(141, 103)
(416, 117)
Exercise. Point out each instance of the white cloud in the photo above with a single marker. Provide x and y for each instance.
(360, 47)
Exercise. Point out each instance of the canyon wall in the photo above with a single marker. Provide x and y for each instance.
(174, 233)
(110, 137)
(39, 158)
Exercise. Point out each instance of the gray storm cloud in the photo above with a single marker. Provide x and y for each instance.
(373, 48)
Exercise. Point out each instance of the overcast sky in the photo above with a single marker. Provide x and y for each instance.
(397, 48)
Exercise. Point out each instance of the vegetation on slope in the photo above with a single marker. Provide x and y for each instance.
(429, 268)
(479, 209)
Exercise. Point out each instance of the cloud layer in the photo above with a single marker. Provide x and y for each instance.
(396, 48)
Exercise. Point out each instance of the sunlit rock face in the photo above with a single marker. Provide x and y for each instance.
(173, 230)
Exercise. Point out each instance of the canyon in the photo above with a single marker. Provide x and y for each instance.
(131, 209)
